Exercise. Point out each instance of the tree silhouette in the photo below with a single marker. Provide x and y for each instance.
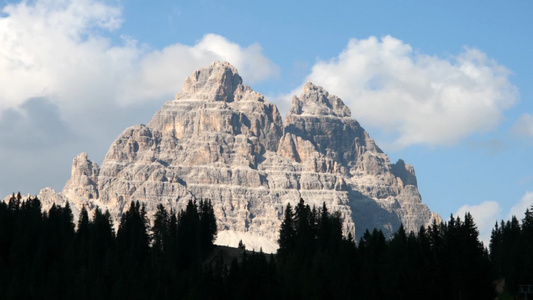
(173, 257)
(287, 232)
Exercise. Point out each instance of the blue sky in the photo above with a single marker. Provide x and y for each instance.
(445, 86)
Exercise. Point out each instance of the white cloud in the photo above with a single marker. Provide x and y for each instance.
(161, 73)
(485, 216)
(519, 209)
(417, 98)
(57, 49)
(524, 125)
(488, 213)
(60, 52)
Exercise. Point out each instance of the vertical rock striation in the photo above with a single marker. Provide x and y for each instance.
(222, 141)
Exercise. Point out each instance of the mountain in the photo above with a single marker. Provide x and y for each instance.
(222, 141)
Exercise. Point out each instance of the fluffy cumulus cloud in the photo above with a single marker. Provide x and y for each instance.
(58, 49)
(46, 44)
(485, 216)
(57, 58)
(417, 98)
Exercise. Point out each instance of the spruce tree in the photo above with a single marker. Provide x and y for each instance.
(160, 230)
(132, 237)
(287, 232)
(207, 226)
(188, 237)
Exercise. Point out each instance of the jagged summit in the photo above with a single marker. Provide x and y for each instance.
(222, 141)
(217, 82)
(315, 100)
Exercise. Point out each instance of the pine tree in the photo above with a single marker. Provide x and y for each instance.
(160, 230)
(325, 227)
(287, 232)
(304, 238)
(188, 237)
(207, 226)
(83, 222)
(132, 237)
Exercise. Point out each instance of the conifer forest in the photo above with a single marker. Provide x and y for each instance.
(44, 255)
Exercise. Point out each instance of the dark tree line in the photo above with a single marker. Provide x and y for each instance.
(43, 256)
(441, 261)
(511, 252)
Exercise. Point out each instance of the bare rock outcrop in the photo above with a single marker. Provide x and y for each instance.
(220, 140)
(83, 182)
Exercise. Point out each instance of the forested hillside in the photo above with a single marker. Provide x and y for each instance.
(43, 255)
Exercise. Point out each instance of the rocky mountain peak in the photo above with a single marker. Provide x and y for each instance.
(81, 165)
(83, 183)
(222, 141)
(214, 101)
(315, 100)
(217, 82)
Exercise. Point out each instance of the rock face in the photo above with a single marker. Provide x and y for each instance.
(222, 141)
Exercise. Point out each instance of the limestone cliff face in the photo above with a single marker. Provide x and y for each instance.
(83, 182)
(221, 140)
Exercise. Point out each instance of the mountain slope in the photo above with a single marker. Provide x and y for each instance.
(222, 141)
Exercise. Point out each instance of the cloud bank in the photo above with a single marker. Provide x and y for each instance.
(416, 98)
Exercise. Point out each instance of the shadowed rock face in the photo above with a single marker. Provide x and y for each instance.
(221, 140)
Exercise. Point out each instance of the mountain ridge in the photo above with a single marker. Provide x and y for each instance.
(220, 140)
